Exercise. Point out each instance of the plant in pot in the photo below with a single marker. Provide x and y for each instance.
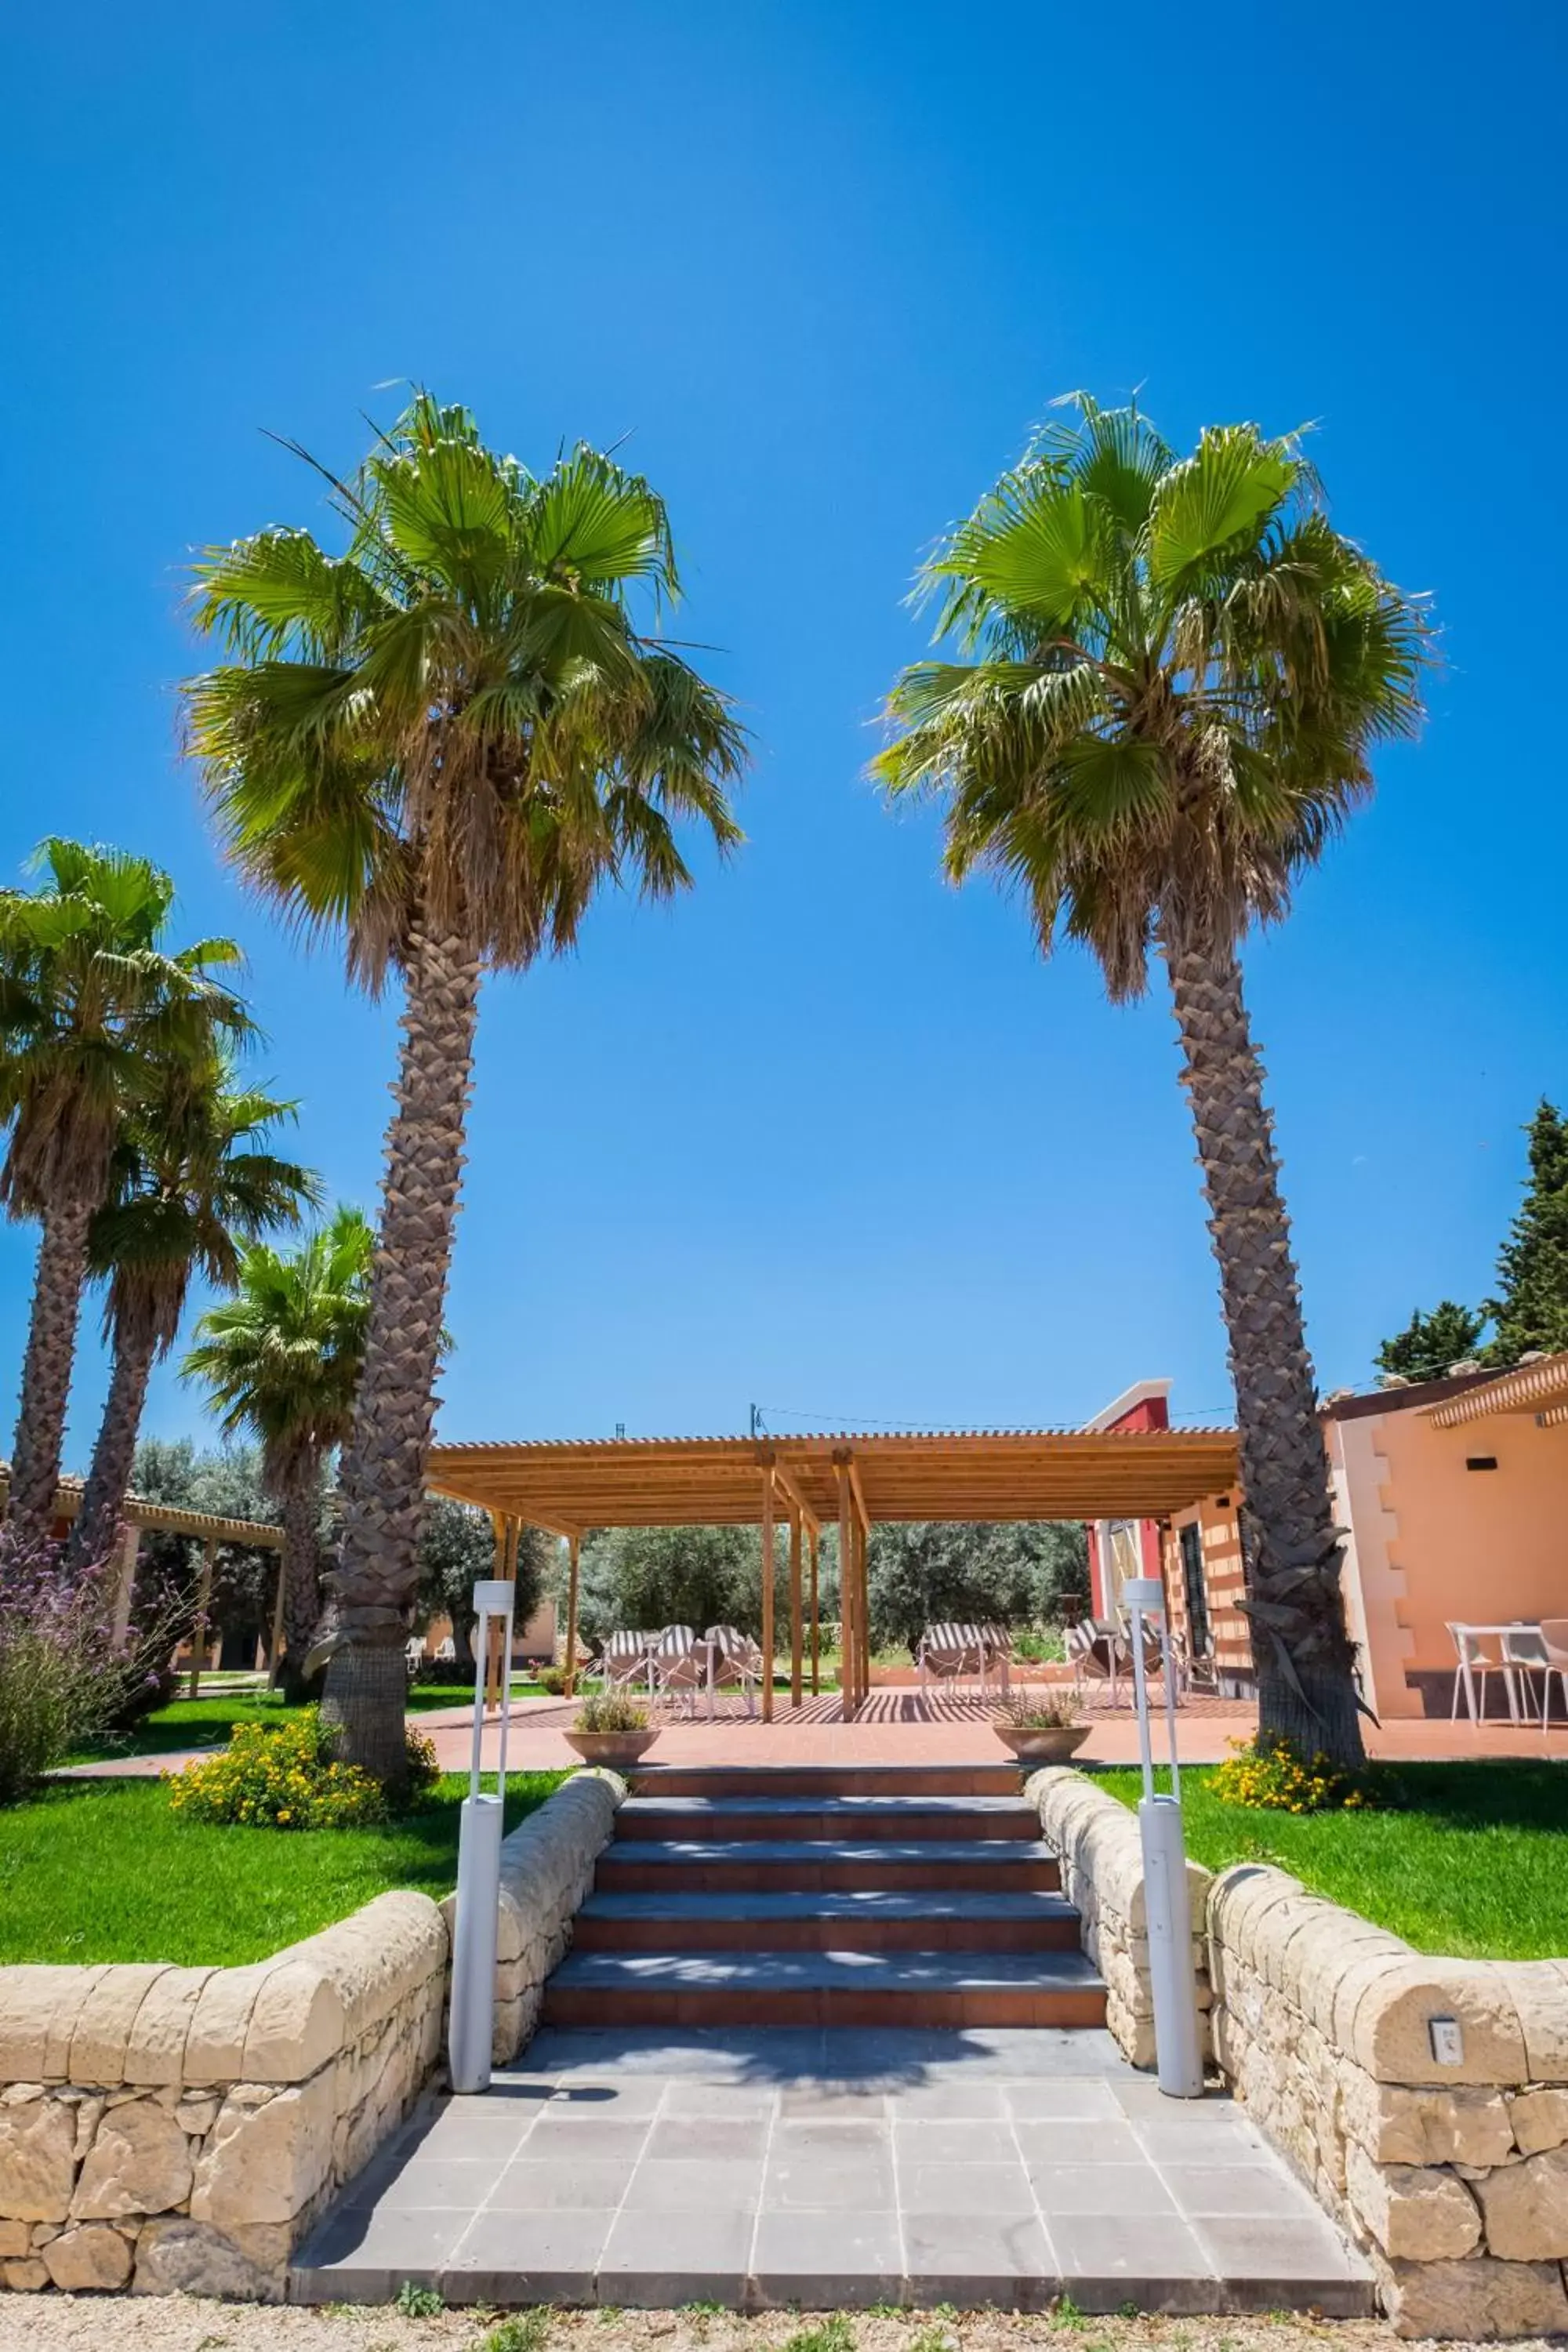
(610, 1727)
(1039, 1730)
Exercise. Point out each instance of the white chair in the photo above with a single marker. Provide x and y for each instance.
(1554, 1632)
(1523, 1651)
(1475, 1662)
(625, 1661)
(677, 1669)
(1094, 1652)
(414, 1653)
(950, 1651)
(733, 1657)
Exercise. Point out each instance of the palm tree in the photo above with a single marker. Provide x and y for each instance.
(442, 742)
(281, 1361)
(1169, 675)
(91, 1003)
(193, 1179)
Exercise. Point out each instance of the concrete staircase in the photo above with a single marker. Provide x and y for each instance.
(867, 1896)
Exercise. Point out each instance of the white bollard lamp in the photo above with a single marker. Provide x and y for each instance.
(1169, 1913)
(472, 2029)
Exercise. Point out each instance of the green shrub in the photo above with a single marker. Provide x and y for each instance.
(289, 1778)
(551, 1680)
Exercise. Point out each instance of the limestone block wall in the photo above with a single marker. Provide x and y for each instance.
(166, 2128)
(1453, 2175)
(546, 1869)
(1099, 1847)
(171, 2128)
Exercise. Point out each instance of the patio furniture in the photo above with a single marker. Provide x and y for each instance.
(733, 1657)
(1194, 1673)
(446, 1652)
(1554, 1632)
(950, 1652)
(1476, 1660)
(1523, 1650)
(1095, 1652)
(414, 1653)
(998, 1640)
(624, 1661)
(678, 1666)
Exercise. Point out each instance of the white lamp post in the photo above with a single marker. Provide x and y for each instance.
(472, 2027)
(1169, 1915)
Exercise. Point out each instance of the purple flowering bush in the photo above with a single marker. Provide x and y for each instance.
(64, 1680)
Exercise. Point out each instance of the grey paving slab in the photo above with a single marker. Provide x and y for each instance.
(828, 2261)
(1000, 2190)
(1152, 2260)
(1058, 2098)
(946, 2139)
(569, 2136)
(358, 2256)
(694, 2185)
(1073, 2140)
(714, 2137)
(1108, 2190)
(682, 1854)
(949, 2101)
(1254, 2252)
(528, 2258)
(533, 2185)
(856, 2183)
(1240, 2191)
(937, 1904)
(658, 2260)
(972, 2258)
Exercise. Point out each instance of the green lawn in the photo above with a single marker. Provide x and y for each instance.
(1469, 1859)
(101, 1870)
(207, 1722)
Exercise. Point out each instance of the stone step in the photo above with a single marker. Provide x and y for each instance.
(864, 1990)
(782, 1866)
(981, 1779)
(863, 1920)
(906, 1818)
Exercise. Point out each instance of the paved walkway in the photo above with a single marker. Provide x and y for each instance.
(832, 2168)
(901, 1728)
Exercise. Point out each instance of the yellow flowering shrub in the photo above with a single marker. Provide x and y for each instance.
(287, 1777)
(1275, 1777)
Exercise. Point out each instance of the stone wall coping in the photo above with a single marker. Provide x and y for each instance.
(1373, 1997)
(148, 2023)
(1099, 1836)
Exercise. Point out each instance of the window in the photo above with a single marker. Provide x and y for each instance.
(1196, 1590)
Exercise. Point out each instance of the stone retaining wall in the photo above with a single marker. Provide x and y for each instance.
(171, 2128)
(1453, 2177)
(1100, 1850)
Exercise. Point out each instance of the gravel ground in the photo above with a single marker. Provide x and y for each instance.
(63, 2323)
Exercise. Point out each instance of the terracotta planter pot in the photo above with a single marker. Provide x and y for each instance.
(619, 1749)
(1049, 1745)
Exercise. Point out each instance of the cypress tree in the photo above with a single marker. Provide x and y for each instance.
(1531, 1310)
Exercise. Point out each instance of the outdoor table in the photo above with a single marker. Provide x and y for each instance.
(1467, 1634)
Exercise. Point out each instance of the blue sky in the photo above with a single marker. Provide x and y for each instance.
(827, 1137)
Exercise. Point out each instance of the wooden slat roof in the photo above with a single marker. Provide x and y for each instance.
(978, 1474)
(167, 1518)
(1538, 1388)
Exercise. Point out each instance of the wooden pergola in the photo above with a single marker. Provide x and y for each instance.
(848, 1478)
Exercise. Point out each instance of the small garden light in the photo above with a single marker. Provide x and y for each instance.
(479, 1864)
(1169, 1915)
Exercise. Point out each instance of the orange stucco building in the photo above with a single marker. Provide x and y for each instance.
(1454, 1497)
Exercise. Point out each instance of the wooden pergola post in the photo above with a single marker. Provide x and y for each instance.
(796, 1627)
(768, 1594)
(846, 1593)
(204, 1602)
(572, 1544)
(816, 1630)
(275, 1662)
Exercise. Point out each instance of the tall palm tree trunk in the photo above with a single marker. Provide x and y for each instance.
(46, 1368)
(1290, 1546)
(109, 1480)
(301, 1500)
(384, 1461)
